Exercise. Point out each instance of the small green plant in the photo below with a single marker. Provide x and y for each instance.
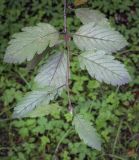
(96, 39)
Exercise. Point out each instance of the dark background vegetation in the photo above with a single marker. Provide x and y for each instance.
(113, 111)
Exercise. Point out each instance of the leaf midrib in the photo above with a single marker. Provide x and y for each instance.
(102, 66)
(107, 40)
(60, 59)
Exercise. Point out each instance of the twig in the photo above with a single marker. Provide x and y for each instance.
(4, 111)
(117, 136)
(4, 148)
(68, 73)
(6, 119)
(127, 51)
(66, 38)
(23, 78)
(114, 156)
(65, 16)
(60, 141)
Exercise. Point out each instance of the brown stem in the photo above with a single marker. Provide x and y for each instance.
(65, 16)
(68, 82)
(70, 108)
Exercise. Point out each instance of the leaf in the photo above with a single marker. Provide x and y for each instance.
(31, 101)
(79, 2)
(44, 109)
(87, 15)
(31, 41)
(104, 68)
(53, 73)
(87, 132)
(91, 36)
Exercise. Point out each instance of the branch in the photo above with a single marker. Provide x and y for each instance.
(65, 16)
(70, 108)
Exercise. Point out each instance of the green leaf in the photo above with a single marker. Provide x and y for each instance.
(24, 132)
(87, 132)
(44, 109)
(32, 100)
(91, 36)
(104, 68)
(53, 73)
(31, 41)
(87, 15)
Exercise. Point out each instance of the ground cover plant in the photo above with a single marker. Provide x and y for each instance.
(105, 112)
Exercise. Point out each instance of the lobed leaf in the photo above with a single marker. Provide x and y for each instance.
(87, 15)
(31, 41)
(104, 68)
(53, 73)
(87, 132)
(91, 36)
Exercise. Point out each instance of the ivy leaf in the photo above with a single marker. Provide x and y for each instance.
(104, 68)
(87, 15)
(87, 132)
(53, 73)
(31, 41)
(91, 36)
(32, 100)
(44, 109)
